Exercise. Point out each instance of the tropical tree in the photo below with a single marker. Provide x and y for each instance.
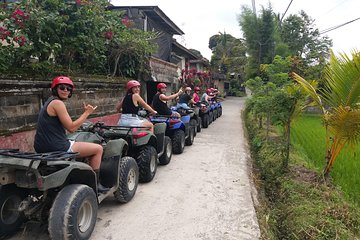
(228, 54)
(339, 102)
(259, 34)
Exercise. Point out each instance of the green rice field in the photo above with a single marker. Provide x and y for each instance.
(308, 138)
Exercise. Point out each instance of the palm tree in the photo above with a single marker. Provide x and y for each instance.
(339, 102)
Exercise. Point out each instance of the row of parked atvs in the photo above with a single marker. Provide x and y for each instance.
(55, 189)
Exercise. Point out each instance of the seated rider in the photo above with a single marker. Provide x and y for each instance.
(205, 98)
(185, 99)
(195, 96)
(159, 102)
(54, 120)
(129, 107)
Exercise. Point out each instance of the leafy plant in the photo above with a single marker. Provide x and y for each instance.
(339, 103)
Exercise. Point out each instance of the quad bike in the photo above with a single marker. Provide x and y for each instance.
(205, 114)
(214, 111)
(55, 189)
(146, 147)
(179, 130)
(195, 120)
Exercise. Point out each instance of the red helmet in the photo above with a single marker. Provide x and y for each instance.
(188, 89)
(131, 84)
(197, 89)
(212, 89)
(61, 80)
(160, 86)
(208, 90)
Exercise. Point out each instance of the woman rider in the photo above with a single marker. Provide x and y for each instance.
(129, 107)
(53, 122)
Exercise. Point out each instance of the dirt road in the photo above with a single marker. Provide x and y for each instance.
(204, 193)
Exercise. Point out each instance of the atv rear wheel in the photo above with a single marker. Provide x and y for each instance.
(215, 113)
(128, 180)
(178, 141)
(165, 158)
(220, 112)
(190, 139)
(198, 127)
(147, 162)
(205, 121)
(211, 117)
(10, 218)
(193, 124)
(73, 213)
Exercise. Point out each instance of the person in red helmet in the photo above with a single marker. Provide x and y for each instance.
(54, 120)
(195, 95)
(206, 96)
(159, 102)
(185, 99)
(129, 106)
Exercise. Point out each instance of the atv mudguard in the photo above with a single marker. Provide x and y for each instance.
(159, 131)
(110, 164)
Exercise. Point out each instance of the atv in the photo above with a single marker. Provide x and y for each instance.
(146, 147)
(58, 190)
(205, 113)
(179, 130)
(195, 120)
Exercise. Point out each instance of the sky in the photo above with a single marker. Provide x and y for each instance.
(201, 19)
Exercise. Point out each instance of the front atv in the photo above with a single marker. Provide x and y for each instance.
(55, 189)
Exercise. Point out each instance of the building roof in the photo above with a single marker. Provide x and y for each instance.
(155, 13)
(178, 48)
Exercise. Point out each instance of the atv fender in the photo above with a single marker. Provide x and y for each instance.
(85, 137)
(110, 163)
(115, 147)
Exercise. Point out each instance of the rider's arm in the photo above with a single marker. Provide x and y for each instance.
(142, 103)
(58, 108)
(163, 97)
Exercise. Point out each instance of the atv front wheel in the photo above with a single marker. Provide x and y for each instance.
(178, 141)
(10, 218)
(128, 180)
(166, 156)
(73, 213)
(147, 162)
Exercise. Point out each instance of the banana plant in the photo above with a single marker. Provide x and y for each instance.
(339, 101)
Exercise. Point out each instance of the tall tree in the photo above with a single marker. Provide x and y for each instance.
(304, 41)
(228, 54)
(259, 33)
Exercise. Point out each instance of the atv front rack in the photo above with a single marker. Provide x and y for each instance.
(50, 156)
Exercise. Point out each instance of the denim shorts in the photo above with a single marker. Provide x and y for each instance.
(182, 105)
(70, 148)
(131, 120)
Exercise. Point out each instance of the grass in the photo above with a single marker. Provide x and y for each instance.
(308, 137)
(298, 204)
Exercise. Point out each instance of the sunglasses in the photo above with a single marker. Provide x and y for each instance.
(62, 87)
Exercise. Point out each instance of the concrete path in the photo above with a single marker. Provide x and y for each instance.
(204, 193)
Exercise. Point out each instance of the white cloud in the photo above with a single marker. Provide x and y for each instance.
(200, 20)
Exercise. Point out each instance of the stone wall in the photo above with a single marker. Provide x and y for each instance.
(21, 100)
